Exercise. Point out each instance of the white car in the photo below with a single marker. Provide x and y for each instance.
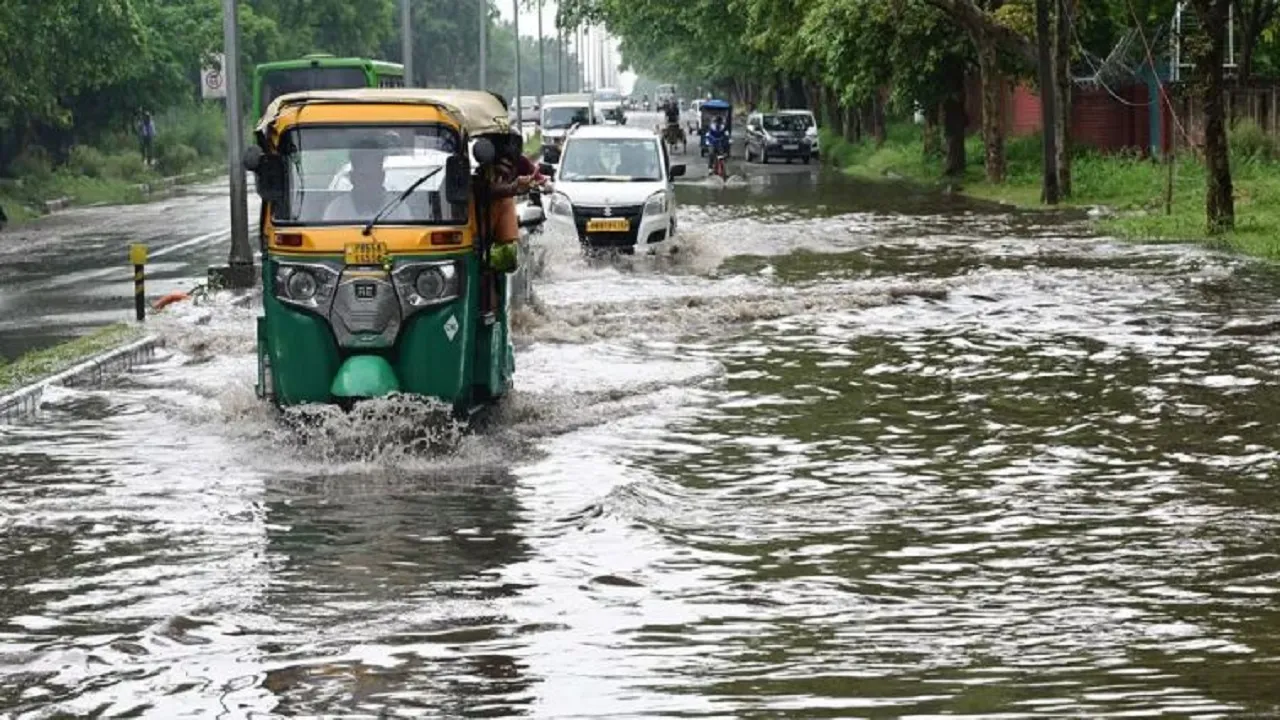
(613, 188)
(811, 131)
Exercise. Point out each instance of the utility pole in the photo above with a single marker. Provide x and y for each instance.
(542, 67)
(484, 44)
(515, 6)
(239, 271)
(406, 42)
(1048, 113)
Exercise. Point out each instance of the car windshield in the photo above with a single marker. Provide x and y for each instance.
(558, 118)
(784, 123)
(608, 96)
(345, 175)
(613, 159)
(806, 119)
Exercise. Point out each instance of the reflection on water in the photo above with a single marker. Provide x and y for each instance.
(864, 459)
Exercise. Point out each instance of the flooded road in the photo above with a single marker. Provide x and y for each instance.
(69, 273)
(851, 452)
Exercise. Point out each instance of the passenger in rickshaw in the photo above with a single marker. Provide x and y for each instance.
(502, 184)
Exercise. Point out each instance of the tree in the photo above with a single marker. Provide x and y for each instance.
(1045, 38)
(1254, 16)
(1210, 55)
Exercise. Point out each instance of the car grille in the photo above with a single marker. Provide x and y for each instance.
(583, 213)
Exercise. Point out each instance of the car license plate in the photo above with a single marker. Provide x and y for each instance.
(365, 253)
(608, 225)
(790, 147)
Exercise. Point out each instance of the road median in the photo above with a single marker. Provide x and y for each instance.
(83, 361)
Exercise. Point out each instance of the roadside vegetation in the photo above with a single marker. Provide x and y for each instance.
(76, 78)
(40, 364)
(1129, 191)
(866, 66)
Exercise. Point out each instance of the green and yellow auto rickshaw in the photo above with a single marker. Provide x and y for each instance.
(376, 247)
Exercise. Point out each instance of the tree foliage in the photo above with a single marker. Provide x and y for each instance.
(72, 71)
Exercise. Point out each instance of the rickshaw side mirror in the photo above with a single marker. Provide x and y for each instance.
(677, 170)
(485, 151)
(269, 178)
(252, 159)
(457, 180)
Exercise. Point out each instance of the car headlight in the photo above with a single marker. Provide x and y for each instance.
(424, 284)
(656, 204)
(305, 285)
(560, 205)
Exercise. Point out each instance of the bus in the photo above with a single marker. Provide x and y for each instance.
(320, 72)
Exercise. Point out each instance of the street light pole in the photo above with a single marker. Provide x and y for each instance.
(542, 66)
(406, 42)
(515, 6)
(484, 44)
(239, 273)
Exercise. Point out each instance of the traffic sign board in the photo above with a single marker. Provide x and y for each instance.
(212, 82)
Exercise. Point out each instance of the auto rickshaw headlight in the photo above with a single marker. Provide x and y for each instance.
(301, 285)
(423, 284)
(430, 283)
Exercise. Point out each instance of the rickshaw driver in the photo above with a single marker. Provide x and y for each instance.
(368, 194)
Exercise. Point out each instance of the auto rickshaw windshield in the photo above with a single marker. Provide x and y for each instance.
(343, 175)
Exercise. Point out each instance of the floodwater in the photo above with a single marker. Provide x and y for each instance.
(851, 451)
(69, 273)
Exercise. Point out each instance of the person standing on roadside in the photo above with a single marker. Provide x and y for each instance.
(147, 137)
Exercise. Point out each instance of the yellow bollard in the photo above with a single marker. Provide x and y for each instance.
(138, 256)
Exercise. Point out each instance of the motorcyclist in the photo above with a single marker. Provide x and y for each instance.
(717, 139)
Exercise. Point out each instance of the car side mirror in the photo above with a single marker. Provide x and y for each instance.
(547, 169)
(677, 170)
(457, 180)
(531, 216)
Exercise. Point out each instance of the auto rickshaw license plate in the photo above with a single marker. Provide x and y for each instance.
(608, 225)
(365, 253)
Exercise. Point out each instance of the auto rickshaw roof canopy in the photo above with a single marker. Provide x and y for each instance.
(478, 112)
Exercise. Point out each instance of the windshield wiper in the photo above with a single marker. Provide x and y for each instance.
(645, 179)
(368, 229)
(607, 178)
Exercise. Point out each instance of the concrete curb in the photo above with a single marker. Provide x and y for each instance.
(26, 400)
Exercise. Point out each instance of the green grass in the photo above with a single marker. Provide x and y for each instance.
(533, 145)
(1131, 186)
(110, 169)
(43, 363)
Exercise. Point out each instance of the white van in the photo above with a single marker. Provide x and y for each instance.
(559, 114)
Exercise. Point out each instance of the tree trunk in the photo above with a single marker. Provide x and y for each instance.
(992, 122)
(1048, 113)
(954, 119)
(932, 141)
(1219, 200)
(877, 118)
(1062, 71)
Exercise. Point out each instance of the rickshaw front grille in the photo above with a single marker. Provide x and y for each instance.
(366, 313)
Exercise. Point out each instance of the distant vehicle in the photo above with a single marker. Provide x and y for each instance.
(613, 188)
(774, 135)
(608, 105)
(664, 93)
(320, 72)
(528, 109)
(559, 113)
(811, 127)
